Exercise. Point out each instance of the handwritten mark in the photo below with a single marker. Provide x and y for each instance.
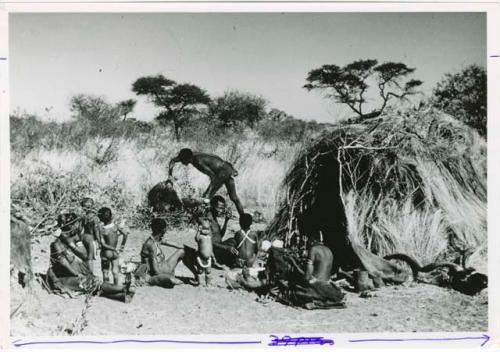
(17, 343)
(3, 58)
(485, 339)
(297, 341)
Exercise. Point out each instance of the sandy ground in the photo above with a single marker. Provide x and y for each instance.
(217, 310)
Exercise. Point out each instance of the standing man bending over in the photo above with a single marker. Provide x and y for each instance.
(220, 172)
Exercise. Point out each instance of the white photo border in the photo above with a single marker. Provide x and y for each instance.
(441, 341)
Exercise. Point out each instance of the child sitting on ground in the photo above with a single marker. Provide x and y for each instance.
(109, 242)
(247, 243)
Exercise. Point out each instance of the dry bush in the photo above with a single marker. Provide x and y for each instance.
(119, 172)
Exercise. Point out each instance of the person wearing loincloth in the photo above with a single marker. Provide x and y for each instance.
(69, 272)
(109, 233)
(156, 269)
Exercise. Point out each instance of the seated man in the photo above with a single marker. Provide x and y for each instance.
(70, 272)
(317, 290)
(320, 292)
(156, 269)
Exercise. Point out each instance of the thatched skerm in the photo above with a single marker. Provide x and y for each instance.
(410, 182)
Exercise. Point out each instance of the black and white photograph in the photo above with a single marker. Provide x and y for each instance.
(209, 173)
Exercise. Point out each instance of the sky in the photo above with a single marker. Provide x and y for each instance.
(55, 56)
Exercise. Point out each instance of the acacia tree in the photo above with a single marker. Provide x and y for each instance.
(126, 107)
(179, 102)
(464, 96)
(350, 84)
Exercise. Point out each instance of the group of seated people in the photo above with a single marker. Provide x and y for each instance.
(74, 253)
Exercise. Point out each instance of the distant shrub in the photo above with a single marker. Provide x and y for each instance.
(237, 110)
(463, 95)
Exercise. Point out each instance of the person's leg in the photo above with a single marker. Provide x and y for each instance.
(105, 264)
(88, 243)
(189, 260)
(231, 191)
(115, 269)
(215, 184)
(169, 265)
(117, 292)
(161, 280)
(208, 278)
(108, 288)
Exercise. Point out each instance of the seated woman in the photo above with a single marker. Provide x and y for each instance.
(69, 272)
(315, 289)
(156, 269)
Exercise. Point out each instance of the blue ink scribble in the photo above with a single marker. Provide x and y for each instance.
(17, 343)
(297, 341)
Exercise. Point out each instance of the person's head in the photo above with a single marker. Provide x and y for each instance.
(315, 237)
(158, 227)
(205, 227)
(246, 221)
(104, 214)
(69, 223)
(87, 203)
(186, 156)
(169, 184)
(218, 204)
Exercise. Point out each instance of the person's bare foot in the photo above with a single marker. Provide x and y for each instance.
(176, 281)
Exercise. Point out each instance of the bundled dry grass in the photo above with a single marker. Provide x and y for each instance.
(412, 182)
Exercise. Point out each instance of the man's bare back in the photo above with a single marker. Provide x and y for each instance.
(321, 258)
(247, 246)
(219, 171)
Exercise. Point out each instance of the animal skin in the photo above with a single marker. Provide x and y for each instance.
(465, 280)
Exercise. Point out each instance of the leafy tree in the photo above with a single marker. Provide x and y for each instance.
(464, 96)
(126, 107)
(350, 84)
(179, 102)
(238, 109)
